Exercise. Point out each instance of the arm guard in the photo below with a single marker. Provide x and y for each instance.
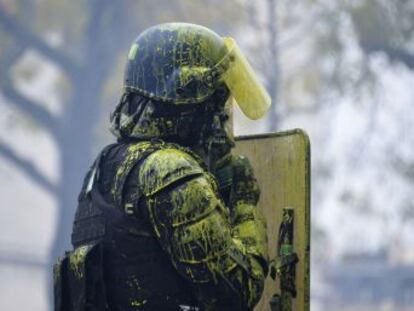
(247, 220)
(195, 230)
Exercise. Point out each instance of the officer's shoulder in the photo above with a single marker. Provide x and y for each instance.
(166, 166)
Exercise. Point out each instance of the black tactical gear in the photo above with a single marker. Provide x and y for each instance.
(154, 228)
(135, 274)
(147, 208)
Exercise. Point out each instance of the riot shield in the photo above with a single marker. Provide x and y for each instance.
(281, 162)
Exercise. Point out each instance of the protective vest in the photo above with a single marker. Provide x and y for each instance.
(117, 263)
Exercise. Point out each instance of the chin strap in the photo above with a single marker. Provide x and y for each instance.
(122, 121)
(115, 117)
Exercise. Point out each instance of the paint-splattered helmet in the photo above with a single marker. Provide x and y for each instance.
(184, 63)
(183, 67)
(175, 63)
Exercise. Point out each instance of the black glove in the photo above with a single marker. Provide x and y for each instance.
(245, 187)
(236, 181)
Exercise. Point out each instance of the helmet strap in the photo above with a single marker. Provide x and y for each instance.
(115, 116)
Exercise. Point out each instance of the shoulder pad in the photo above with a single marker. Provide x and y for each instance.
(166, 166)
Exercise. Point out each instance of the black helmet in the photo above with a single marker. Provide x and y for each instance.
(175, 63)
(177, 67)
(184, 63)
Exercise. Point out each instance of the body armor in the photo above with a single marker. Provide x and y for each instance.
(154, 228)
(152, 232)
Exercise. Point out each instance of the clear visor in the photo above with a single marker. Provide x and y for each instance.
(244, 85)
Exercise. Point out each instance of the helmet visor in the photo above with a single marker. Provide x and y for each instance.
(244, 85)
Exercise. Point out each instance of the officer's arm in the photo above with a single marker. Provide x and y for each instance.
(247, 221)
(224, 257)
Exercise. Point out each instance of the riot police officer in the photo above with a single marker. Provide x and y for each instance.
(167, 217)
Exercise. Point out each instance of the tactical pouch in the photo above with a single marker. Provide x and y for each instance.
(78, 280)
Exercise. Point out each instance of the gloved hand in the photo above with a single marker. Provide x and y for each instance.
(245, 188)
(236, 181)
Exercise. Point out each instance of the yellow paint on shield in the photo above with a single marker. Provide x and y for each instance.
(281, 163)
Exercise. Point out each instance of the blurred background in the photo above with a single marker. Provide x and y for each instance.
(342, 70)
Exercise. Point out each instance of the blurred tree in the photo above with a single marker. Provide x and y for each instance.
(85, 58)
(262, 25)
(84, 40)
(387, 27)
(324, 59)
(349, 50)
